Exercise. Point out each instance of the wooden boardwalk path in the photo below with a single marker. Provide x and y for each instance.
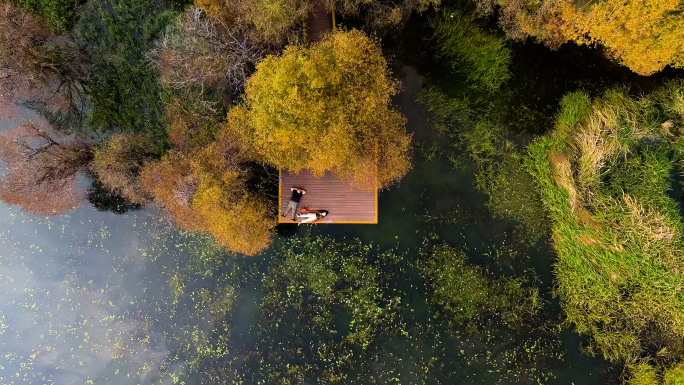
(344, 203)
(319, 23)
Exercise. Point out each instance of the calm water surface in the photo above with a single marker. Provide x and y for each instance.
(86, 295)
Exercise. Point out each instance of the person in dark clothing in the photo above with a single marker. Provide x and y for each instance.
(294, 201)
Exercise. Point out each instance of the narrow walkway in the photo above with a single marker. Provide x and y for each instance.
(319, 23)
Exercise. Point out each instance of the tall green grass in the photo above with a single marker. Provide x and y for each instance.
(482, 57)
(620, 268)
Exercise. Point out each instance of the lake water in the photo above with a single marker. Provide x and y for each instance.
(89, 297)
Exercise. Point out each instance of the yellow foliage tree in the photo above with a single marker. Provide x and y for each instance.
(119, 160)
(172, 184)
(271, 21)
(205, 191)
(240, 223)
(644, 35)
(326, 107)
(277, 21)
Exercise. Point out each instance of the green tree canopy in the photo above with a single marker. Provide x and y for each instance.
(326, 108)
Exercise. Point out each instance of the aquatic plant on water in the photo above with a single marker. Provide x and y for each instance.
(488, 313)
(501, 175)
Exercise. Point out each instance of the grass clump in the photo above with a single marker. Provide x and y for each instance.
(643, 373)
(483, 58)
(604, 175)
(674, 375)
(511, 195)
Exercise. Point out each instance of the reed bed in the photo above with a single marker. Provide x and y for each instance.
(603, 175)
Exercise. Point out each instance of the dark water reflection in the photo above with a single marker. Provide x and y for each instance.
(86, 296)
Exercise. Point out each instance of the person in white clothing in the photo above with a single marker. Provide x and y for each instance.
(310, 216)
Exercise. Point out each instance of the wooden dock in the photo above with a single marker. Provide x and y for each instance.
(345, 204)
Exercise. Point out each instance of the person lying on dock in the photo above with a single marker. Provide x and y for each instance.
(294, 201)
(311, 215)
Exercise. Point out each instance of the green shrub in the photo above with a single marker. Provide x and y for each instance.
(124, 90)
(59, 13)
(573, 107)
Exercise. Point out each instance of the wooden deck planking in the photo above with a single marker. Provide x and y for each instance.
(319, 23)
(345, 204)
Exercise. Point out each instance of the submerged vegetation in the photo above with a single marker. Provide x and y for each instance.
(501, 175)
(341, 296)
(466, 293)
(507, 312)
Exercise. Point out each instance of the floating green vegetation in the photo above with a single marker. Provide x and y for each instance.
(502, 314)
(175, 307)
(467, 295)
(326, 304)
(204, 283)
(604, 175)
(482, 57)
(456, 216)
